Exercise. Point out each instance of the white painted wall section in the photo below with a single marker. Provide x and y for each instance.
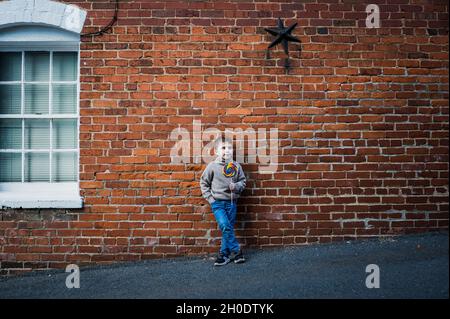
(42, 12)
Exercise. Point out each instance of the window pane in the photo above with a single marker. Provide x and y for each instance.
(10, 134)
(37, 134)
(37, 167)
(37, 66)
(65, 66)
(10, 167)
(64, 167)
(10, 66)
(65, 134)
(64, 98)
(36, 99)
(10, 97)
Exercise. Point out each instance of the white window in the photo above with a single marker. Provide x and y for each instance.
(39, 116)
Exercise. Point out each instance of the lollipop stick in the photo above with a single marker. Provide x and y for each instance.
(231, 196)
(231, 191)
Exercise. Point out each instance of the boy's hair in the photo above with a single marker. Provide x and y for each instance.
(221, 140)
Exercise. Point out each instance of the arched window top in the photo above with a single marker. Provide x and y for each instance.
(36, 35)
(47, 13)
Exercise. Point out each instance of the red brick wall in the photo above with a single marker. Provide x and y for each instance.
(362, 119)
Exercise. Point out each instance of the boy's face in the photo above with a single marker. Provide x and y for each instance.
(225, 151)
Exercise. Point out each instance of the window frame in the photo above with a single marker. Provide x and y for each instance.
(43, 194)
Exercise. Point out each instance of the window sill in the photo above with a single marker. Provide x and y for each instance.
(40, 195)
(41, 203)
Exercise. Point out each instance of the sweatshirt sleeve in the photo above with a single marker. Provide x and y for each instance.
(241, 181)
(205, 184)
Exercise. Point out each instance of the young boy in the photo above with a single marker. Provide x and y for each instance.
(222, 189)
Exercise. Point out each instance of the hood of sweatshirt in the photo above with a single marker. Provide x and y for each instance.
(221, 160)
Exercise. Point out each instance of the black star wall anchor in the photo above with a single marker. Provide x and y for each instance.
(283, 36)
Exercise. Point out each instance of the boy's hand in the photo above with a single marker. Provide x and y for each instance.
(232, 186)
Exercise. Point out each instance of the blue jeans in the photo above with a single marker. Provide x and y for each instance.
(225, 214)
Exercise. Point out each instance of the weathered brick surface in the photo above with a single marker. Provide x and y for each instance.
(362, 118)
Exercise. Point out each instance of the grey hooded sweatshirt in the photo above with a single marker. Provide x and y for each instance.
(214, 185)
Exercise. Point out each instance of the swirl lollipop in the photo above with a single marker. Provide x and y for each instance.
(230, 170)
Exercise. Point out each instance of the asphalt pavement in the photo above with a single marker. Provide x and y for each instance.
(410, 266)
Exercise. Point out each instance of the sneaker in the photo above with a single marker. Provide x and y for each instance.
(238, 258)
(222, 260)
